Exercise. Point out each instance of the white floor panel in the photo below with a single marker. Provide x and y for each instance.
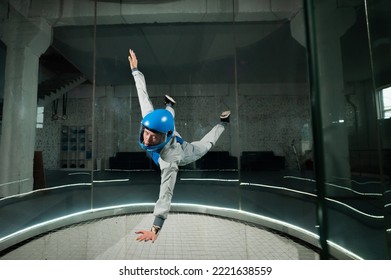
(184, 236)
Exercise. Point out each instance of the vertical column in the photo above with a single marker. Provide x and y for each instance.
(109, 131)
(26, 41)
(331, 24)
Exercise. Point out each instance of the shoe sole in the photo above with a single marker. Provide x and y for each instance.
(225, 114)
(170, 99)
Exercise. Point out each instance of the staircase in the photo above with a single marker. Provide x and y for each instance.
(57, 86)
(64, 77)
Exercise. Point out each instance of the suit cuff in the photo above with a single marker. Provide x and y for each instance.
(158, 221)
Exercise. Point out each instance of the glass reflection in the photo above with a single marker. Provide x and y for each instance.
(46, 117)
(19, 94)
(276, 157)
(350, 149)
(378, 23)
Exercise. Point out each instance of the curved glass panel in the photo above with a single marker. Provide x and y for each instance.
(306, 150)
(276, 162)
(187, 53)
(350, 153)
(379, 28)
(46, 114)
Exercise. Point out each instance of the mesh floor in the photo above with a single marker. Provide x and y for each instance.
(183, 237)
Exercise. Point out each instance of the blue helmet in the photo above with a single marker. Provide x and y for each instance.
(158, 121)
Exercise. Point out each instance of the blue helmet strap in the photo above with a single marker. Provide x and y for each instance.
(155, 157)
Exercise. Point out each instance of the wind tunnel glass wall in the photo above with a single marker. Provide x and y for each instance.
(349, 69)
(237, 58)
(181, 55)
(379, 25)
(248, 58)
(251, 64)
(45, 99)
(275, 143)
(232, 56)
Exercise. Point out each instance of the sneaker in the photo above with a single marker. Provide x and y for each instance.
(224, 117)
(168, 100)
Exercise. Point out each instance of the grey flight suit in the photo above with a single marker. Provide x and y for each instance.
(173, 154)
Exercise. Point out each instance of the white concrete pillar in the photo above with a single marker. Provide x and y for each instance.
(26, 40)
